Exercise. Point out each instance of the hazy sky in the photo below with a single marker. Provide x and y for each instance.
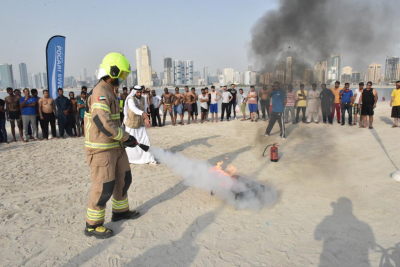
(212, 33)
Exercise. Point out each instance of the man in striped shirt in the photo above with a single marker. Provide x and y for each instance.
(291, 98)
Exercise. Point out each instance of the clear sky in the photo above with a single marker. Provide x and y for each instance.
(212, 33)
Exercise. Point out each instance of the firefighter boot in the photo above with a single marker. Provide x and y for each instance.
(98, 231)
(126, 215)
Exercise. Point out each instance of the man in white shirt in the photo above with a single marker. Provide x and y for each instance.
(356, 107)
(226, 98)
(155, 109)
(203, 98)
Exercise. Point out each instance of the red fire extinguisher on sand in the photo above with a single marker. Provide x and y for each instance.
(274, 152)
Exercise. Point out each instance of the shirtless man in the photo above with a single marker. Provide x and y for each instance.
(178, 98)
(13, 112)
(73, 114)
(265, 102)
(188, 100)
(47, 111)
(166, 101)
(195, 109)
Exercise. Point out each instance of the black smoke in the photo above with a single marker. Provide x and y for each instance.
(362, 31)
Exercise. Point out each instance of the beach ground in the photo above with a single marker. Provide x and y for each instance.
(338, 205)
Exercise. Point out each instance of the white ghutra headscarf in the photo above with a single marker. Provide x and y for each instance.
(136, 88)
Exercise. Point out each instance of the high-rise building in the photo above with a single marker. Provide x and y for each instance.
(205, 75)
(247, 78)
(280, 72)
(189, 73)
(308, 76)
(336, 62)
(23, 74)
(155, 79)
(44, 79)
(168, 72)
(269, 78)
(238, 77)
(143, 64)
(357, 77)
(6, 76)
(347, 70)
(178, 72)
(83, 75)
(219, 72)
(289, 75)
(228, 76)
(320, 69)
(374, 73)
(392, 69)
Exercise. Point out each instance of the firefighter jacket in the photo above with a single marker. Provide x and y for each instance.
(135, 121)
(102, 120)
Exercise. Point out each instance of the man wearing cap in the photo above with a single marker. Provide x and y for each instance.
(105, 151)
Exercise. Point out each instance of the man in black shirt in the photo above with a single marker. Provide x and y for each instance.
(233, 102)
(327, 101)
(368, 98)
(3, 131)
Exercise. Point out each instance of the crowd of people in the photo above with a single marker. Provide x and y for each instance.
(29, 111)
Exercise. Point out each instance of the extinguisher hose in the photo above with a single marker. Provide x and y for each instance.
(265, 150)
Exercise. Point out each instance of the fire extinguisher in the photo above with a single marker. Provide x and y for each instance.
(274, 152)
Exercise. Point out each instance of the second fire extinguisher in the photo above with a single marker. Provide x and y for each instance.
(274, 152)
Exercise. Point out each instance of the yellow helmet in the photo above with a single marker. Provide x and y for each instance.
(116, 65)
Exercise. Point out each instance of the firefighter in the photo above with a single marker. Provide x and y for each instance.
(105, 149)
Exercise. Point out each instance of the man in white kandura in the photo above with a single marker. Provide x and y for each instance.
(136, 121)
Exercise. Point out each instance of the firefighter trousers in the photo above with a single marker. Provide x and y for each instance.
(111, 176)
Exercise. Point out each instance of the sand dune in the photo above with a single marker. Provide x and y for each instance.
(338, 205)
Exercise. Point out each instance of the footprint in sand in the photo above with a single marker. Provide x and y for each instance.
(114, 261)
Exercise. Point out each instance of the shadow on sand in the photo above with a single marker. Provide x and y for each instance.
(347, 240)
(181, 252)
(378, 139)
(195, 142)
(386, 120)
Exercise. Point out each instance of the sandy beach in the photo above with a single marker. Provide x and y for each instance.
(338, 205)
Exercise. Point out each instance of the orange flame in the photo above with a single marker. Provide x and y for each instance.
(230, 171)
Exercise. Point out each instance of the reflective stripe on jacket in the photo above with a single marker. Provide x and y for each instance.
(102, 120)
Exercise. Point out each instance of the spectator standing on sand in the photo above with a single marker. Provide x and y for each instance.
(215, 97)
(291, 98)
(252, 100)
(395, 104)
(327, 101)
(13, 112)
(368, 99)
(278, 108)
(336, 90)
(301, 104)
(28, 107)
(233, 102)
(242, 102)
(3, 131)
(226, 99)
(203, 98)
(346, 96)
(313, 104)
(155, 109)
(47, 113)
(356, 109)
(63, 105)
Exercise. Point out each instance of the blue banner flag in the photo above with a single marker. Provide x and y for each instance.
(55, 58)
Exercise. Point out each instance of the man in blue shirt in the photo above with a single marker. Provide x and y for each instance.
(346, 96)
(28, 107)
(278, 97)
